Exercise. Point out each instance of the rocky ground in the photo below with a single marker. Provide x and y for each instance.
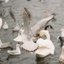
(38, 9)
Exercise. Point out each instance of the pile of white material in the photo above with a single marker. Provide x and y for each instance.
(17, 51)
(29, 45)
(46, 47)
(5, 26)
(18, 38)
(17, 27)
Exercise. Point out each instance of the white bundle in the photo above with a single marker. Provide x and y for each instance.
(5, 26)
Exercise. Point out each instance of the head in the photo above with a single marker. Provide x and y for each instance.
(41, 35)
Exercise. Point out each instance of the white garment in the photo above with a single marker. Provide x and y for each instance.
(46, 47)
(29, 45)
